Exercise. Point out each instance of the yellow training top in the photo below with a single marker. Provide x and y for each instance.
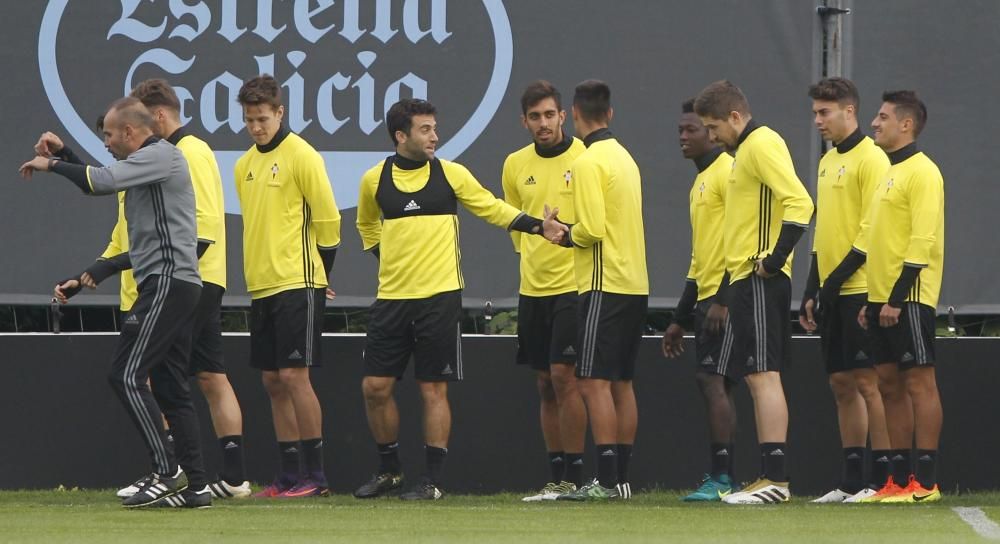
(907, 227)
(288, 213)
(609, 240)
(707, 207)
(408, 209)
(763, 193)
(533, 177)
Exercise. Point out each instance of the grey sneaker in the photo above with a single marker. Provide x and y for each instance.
(592, 491)
(551, 491)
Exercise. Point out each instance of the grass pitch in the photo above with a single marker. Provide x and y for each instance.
(96, 516)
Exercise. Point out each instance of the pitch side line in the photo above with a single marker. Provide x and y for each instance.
(979, 521)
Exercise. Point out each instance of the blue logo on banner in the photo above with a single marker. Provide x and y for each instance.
(344, 167)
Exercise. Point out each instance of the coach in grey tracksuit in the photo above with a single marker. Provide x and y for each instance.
(155, 338)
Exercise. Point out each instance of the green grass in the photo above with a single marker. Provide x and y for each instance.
(96, 516)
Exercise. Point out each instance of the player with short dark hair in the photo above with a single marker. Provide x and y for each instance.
(699, 308)
(609, 252)
(837, 288)
(767, 211)
(905, 266)
(155, 341)
(291, 231)
(408, 218)
(535, 176)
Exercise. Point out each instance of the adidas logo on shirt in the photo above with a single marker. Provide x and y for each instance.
(295, 356)
(411, 206)
(249, 176)
(530, 180)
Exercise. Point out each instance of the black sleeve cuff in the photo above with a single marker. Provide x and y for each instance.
(722, 295)
(903, 286)
(787, 238)
(526, 223)
(102, 269)
(328, 255)
(77, 173)
(684, 315)
(67, 154)
(202, 248)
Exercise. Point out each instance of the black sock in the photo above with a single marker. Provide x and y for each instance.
(557, 465)
(607, 465)
(773, 459)
(901, 466)
(435, 463)
(721, 459)
(574, 469)
(313, 450)
(290, 464)
(881, 468)
(232, 459)
(624, 456)
(927, 468)
(388, 458)
(854, 470)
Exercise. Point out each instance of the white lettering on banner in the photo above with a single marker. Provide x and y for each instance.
(359, 97)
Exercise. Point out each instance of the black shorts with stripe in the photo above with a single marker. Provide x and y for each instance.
(286, 329)
(910, 343)
(713, 351)
(844, 342)
(759, 312)
(609, 331)
(546, 330)
(206, 340)
(428, 329)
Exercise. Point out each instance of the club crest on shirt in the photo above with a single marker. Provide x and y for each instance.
(568, 176)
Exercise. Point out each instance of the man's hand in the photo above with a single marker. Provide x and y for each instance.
(863, 317)
(63, 291)
(760, 271)
(88, 281)
(48, 145)
(807, 320)
(552, 229)
(715, 318)
(673, 341)
(330, 295)
(889, 316)
(38, 163)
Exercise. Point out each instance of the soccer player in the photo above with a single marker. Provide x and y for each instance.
(767, 211)
(700, 305)
(848, 174)
(609, 252)
(534, 176)
(407, 216)
(905, 262)
(155, 340)
(291, 231)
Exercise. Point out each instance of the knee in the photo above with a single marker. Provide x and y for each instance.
(712, 386)
(376, 392)
(920, 384)
(434, 392)
(545, 384)
(272, 384)
(563, 380)
(844, 387)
